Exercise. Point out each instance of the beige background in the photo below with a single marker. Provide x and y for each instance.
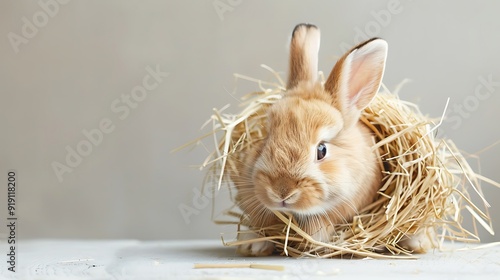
(66, 77)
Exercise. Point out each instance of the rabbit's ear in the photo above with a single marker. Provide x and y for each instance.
(304, 48)
(356, 78)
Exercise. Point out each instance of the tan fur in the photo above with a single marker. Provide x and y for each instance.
(281, 172)
(303, 62)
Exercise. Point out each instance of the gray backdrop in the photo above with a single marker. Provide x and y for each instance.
(84, 91)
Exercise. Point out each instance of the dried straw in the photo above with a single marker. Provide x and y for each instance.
(240, 265)
(426, 184)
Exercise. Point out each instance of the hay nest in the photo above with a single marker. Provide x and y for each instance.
(426, 184)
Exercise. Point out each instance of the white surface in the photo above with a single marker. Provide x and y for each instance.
(129, 259)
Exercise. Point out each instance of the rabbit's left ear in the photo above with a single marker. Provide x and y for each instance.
(304, 49)
(356, 78)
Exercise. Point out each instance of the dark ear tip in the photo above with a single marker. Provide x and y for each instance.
(306, 25)
(368, 41)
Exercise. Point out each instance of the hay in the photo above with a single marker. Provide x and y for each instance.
(240, 265)
(426, 181)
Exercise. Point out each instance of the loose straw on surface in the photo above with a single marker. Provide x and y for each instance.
(426, 181)
(240, 265)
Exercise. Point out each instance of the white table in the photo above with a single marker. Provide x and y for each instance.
(130, 259)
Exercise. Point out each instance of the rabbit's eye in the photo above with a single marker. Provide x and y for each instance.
(321, 151)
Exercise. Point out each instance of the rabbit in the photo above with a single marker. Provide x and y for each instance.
(316, 161)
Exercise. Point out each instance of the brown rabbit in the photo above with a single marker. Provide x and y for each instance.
(316, 161)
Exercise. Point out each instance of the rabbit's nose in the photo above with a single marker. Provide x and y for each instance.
(285, 198)
(291, 198)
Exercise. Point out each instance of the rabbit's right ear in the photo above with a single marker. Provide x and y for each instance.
(304, 48)
(356, 78)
